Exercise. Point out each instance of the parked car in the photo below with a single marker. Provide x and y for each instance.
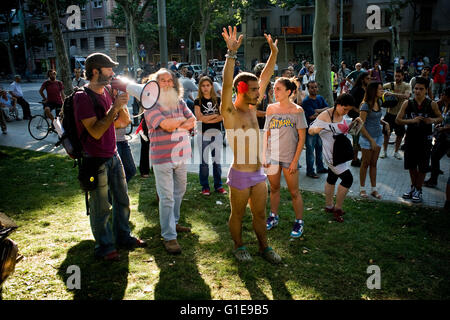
(197, 69)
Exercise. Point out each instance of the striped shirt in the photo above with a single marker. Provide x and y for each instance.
(168, 146)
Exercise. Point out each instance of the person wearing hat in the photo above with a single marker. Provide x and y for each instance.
(100, 142)
(15, 89)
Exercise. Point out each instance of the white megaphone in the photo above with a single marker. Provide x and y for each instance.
(146, 93)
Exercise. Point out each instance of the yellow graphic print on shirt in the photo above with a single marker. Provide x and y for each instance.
(280, 123)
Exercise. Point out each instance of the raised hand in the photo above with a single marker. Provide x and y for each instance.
(272, 45)
(230, 37)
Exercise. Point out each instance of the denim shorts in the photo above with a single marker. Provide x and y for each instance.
(365, 144)
(280, 163)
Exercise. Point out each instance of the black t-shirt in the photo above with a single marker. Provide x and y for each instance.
(208, 108)
(417, 133)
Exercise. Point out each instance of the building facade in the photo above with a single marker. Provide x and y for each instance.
(97, 34)
(294, 30)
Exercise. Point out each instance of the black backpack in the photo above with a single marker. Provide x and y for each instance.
(342, 147)
(70, 139)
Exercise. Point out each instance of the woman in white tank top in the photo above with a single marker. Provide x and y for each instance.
(329, 123)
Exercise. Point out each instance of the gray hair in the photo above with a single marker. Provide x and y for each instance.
(178, 87)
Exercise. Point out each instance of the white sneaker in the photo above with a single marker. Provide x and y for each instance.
(383, 154)
(398, 156)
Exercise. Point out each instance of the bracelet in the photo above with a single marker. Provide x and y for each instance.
(231, 54)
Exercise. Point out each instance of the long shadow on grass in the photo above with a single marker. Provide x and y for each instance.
(99, 280)
(179, 277)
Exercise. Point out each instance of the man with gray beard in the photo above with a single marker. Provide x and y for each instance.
(169, 122)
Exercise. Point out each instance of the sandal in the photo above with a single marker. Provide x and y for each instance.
(271, 256)
(375, 194)
(242, 254)
(363, 194)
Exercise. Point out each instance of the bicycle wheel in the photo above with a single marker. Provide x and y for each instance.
(38, 127)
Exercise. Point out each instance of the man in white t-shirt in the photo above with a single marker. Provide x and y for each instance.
(78, 81)
(15, 90)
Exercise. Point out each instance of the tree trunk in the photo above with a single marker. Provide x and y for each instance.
(321, 50)
(61, 53)
(205, 13)
(134, 44)
(11, 58)
(190, 41)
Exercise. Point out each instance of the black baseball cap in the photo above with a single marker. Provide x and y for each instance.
(99, 60)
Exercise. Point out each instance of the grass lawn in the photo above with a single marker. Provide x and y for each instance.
(40, 192)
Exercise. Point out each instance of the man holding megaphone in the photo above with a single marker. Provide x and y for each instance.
(95, 126)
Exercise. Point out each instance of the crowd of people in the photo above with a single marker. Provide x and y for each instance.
(278, 120)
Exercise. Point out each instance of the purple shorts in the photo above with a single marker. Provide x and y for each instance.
(243, 180)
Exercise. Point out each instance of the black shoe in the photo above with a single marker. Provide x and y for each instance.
(322, 171)
(430, 183)
(137, 243)
(312, 175)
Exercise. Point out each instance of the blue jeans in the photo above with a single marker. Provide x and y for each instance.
(313, 144)
(111, 181)
(171, 180)
(210, 141)
(124, 150)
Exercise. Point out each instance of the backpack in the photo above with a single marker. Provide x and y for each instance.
(342, 147)
(389, 101)
(71, 141)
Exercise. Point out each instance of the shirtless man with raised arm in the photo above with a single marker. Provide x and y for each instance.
(246, 178)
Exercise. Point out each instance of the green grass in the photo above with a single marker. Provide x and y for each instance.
(40, 192)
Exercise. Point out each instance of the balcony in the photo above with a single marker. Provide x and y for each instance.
(278, 32)
(346, 3)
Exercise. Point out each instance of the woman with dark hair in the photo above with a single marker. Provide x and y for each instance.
(371, 138)
(284, 138)
(358, 91)
(329, 124)
(206, 108)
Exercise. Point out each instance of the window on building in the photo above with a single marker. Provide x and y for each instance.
(99, 43)
(82, 7)
(121, 41)
(47, 28)
(50, 46)
(385, 18)
(264, 24)
(347, 21)
(426, 16)
(97, 3)
(84, 44)
(98, 23)
(307, 24)
(284, 21)
(83, 24)
(73, 42)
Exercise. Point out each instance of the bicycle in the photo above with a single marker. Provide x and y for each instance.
(39, 126)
